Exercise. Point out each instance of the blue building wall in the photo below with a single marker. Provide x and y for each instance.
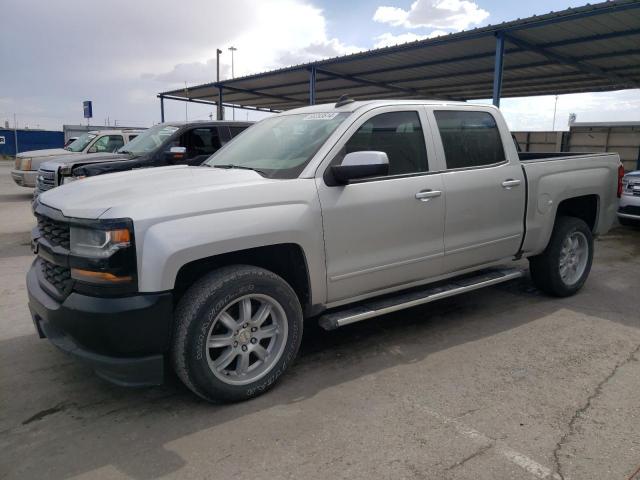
(29, 140)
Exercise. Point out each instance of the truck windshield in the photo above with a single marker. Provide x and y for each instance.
(81, 142)
(279, 147)
(148, 140)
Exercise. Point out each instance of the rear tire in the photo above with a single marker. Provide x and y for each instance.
(564, 266)
(237, 330)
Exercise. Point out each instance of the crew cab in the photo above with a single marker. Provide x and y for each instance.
(172, 143)
(329, 213)
(27, 164)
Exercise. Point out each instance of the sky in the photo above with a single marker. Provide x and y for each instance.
(120, 54)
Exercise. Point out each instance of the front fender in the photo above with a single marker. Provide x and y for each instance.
(167, 246)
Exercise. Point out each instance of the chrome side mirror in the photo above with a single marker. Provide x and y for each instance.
(356, 165)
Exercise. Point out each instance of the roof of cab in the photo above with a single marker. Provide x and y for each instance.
(357, 105)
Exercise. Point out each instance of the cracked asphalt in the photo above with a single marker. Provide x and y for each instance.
(501, 383)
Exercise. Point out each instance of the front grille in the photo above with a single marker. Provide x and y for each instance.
(56, 233)
(45, 180)
(57, 276)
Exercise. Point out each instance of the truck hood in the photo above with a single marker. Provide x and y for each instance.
(147, 190)
(81, 159)
(49, 152)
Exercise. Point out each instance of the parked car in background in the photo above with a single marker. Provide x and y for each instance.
(333, 213)
(629, 209)
(27, 163)
(172, 143)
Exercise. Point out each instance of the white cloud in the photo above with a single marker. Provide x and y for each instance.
(536, 113)
(389, 39)
(158, 45)
(443, 14)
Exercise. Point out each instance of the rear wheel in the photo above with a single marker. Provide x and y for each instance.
(564, 266)
(237, 330)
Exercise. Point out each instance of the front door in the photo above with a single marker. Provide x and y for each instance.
(384, 232)
(201, 143)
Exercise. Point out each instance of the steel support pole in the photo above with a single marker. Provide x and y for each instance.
(312, 86)
(220, 105)
(497, 71)
(161, 108)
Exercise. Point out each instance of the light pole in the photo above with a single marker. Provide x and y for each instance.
(232, 49)
(555, 107)
(220, 107)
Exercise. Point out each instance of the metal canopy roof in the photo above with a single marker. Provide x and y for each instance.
(586, 49)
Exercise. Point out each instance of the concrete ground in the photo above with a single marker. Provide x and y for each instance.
(503, 383)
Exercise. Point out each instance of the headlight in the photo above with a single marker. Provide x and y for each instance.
(25, 164)
(104, 256)
(88, 242)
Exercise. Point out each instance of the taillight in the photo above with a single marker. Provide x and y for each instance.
(620, 175)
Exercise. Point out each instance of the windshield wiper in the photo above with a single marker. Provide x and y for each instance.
(243, 167)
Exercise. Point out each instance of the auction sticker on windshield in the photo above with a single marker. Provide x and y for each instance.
(321, 116)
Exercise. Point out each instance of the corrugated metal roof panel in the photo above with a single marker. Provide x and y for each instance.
(591, 48)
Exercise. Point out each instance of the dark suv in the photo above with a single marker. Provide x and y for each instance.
(169, 143)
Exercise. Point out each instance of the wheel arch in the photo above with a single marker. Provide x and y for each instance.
(584, 207)
(286, 260)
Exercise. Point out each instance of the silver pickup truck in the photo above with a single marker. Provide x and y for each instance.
(329, 213)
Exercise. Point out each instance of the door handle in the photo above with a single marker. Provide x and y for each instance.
(426, 195)
(509, 183)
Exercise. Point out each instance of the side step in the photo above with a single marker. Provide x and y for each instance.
(381, 306)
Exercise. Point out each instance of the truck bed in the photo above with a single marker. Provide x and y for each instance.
(555, 177)
(528, 156)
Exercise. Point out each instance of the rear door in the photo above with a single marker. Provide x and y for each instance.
(485, 190)
(383, 232)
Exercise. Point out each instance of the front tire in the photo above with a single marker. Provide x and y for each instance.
(564, 266)
(237, 330)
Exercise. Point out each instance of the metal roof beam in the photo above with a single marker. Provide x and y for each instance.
(546, 80)
(260, 94)
(364, 81)
(208, 102)
(572, 62)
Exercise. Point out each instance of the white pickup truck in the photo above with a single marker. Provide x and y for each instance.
(329, 213)
(27, 164)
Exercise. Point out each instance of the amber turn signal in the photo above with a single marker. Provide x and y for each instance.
(120, 236)
(98, 277)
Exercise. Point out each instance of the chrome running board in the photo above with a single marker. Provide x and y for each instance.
(388, 304)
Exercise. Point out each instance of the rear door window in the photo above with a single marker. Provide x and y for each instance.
(236, 130)
(469, 139)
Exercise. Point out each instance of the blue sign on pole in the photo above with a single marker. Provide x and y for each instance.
(88, 109)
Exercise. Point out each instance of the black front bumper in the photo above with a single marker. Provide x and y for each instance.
(124, 338)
